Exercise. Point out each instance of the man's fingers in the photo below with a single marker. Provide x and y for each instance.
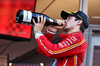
(38, 18)
(59, 22)
(34, 22)
(44, 20)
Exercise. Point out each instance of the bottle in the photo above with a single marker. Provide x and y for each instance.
(27, 16)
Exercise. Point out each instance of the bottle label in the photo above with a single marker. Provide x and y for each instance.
(27, 16)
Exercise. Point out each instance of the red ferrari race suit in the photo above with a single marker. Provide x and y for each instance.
(69, 52)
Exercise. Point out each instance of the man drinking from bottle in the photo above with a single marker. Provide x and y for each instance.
(71, 50)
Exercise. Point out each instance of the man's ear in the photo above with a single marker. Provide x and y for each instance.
(79, 22)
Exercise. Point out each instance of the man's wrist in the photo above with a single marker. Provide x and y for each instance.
(38, 34)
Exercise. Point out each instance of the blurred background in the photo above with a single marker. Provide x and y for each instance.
(25, 51)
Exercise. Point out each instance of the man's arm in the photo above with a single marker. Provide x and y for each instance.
(50, 32)
(65, 48)
(39, 26)
(49, 35)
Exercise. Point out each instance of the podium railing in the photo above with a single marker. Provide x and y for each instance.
(26, 64)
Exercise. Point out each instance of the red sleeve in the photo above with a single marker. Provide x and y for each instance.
(67, 47)
(40, 51)
(49, 35)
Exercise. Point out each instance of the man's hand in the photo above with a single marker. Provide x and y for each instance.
(60, 22)
(39, 26)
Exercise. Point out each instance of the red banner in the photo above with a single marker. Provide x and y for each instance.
(8, 25)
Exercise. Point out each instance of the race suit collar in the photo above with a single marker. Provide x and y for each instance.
(66, 35)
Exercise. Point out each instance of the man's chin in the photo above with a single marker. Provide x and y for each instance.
(65, 29)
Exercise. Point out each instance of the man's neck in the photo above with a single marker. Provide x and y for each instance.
(73, 30)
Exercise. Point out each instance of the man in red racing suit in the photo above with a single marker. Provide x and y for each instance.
(70, 51)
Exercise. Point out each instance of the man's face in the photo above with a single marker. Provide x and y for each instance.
(70, 23)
